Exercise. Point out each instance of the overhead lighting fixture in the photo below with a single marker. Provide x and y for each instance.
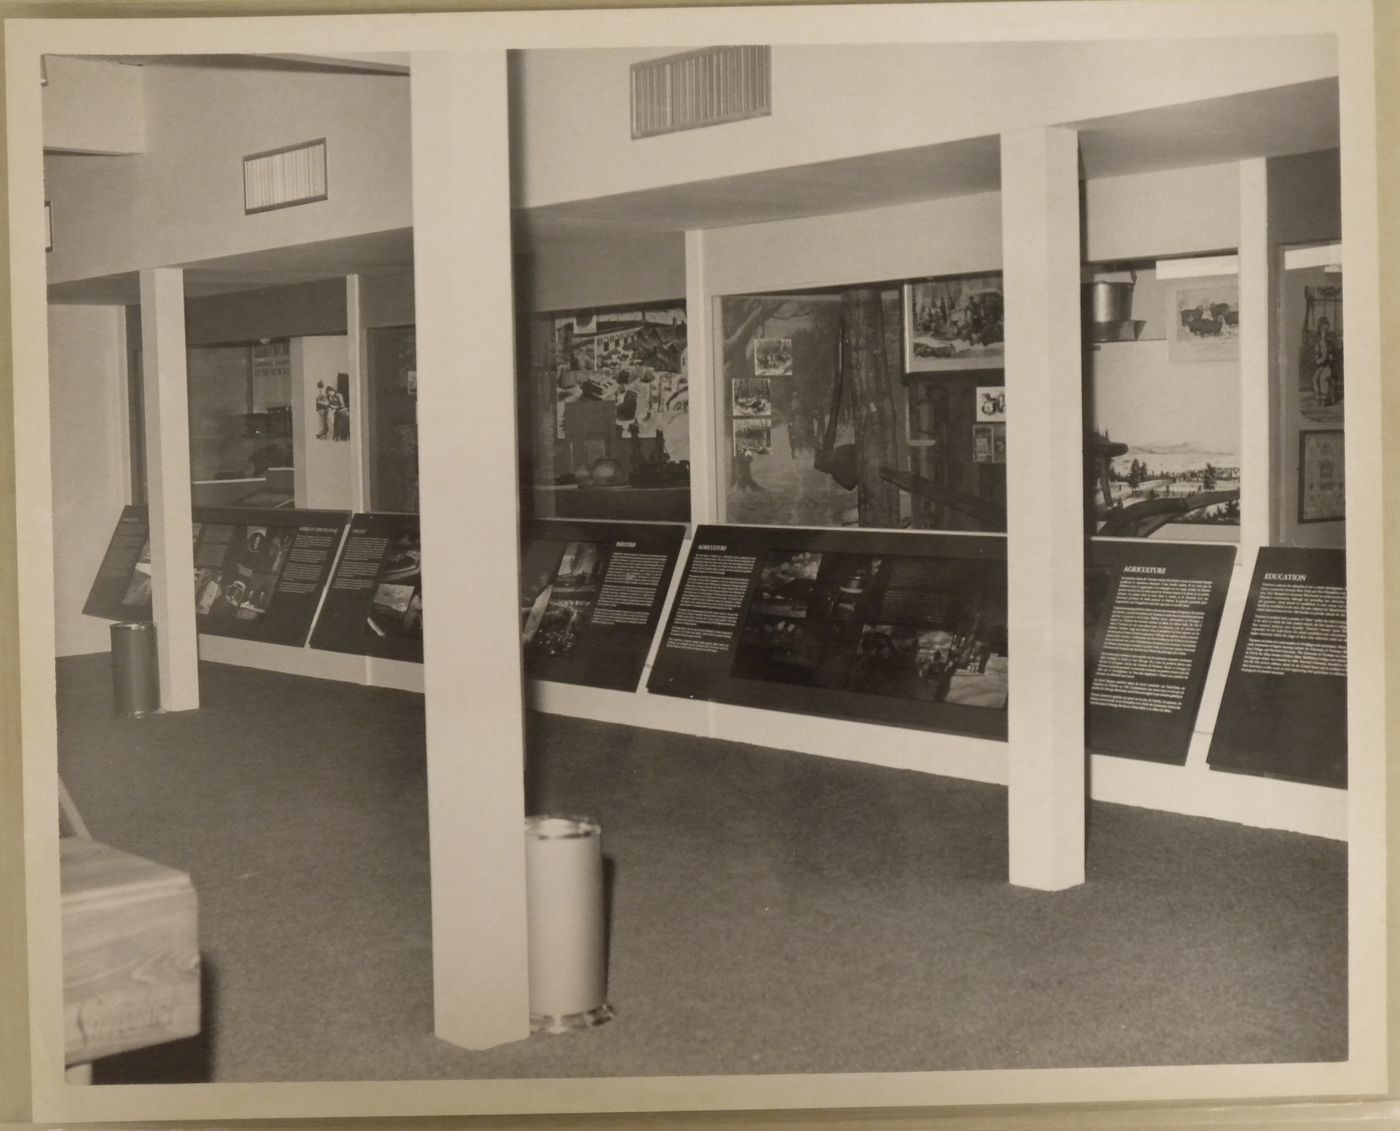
(1198, 267)
(1328, 256)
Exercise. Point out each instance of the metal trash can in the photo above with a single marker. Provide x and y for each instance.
(566, 924)
(135, 670)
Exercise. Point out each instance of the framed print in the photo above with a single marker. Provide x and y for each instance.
(772, 357)
(1203, 322)
(1321, 475)
(953, 324)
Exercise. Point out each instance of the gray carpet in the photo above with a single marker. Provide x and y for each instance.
(770, 912)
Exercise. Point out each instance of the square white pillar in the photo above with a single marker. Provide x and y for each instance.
(1046, 775)
(167, 418)
(467, 487)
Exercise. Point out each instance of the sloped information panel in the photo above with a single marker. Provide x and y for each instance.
(259, 574)
(1284, 712)
(590, 598)
(374, 603)
(907, 629)
(1151, 614)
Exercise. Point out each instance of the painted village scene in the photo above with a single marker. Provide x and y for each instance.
(611, 412)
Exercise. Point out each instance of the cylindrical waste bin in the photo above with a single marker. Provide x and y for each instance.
(567, 928)
(135, 671)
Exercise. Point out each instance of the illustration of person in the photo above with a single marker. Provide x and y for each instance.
(339, 413)
(1324, 358)
(323, 409)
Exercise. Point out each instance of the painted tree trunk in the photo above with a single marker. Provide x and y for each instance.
(868, 385)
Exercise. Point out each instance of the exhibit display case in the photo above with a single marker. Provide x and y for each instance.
(605, 414)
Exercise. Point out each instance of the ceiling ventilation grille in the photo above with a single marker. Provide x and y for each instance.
(700, 88)
(279, 178)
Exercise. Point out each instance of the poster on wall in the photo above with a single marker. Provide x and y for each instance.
(1317, 347)
(1163, 454)
(1203, 322)
(259, 574)
(611, 405)
(1321, 475)
(374, 602)
(953, 324)
(906, 629)
(1284, 711)
(591, 596)
(331, 403)
(772, 357)
(1151, 614)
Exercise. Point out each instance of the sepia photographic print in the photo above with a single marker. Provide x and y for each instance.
(529, 601)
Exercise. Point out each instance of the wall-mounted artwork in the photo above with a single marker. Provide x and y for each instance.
(332, 403)
(953, 324)
(1203, 323)
(772, 357)
(991, 404)
(1322, 484)
(1321, 379)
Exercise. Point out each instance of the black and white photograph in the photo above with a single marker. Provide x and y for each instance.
(772, 357)
(953, 324)
(1204, 323)
(665, 358)
(1322, 487)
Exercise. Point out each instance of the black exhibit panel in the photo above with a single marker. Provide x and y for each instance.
(590, 598)
(1284, 713)
(259, 574)
(902, 628)
(374, 602)
(1151, 614)
(122, 588)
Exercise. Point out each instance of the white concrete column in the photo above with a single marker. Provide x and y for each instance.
(359, 395)
(709, 450)
(1045, 507)
(168, 484)
(467, 478)
(1257, 327)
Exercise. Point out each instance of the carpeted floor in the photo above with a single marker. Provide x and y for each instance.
(770, 912)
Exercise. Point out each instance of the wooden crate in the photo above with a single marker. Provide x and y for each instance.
(130, 952)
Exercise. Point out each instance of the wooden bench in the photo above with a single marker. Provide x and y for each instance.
(130, 952)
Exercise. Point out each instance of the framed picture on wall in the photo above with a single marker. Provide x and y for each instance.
(1203, 322)
(953, 324)
(1321, 475)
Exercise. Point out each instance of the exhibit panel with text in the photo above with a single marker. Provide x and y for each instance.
(1151, 613)
(1284, 713)
(907, 629)
(259, 574)
(374, 602)
(591, 596)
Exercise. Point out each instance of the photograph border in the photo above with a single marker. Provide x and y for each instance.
(24, 942)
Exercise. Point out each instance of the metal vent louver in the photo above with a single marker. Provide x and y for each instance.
(279, 178)
(700, 88)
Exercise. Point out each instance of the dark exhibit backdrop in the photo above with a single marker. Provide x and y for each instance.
(907, 629)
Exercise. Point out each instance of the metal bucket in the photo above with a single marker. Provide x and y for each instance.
(1110, 302)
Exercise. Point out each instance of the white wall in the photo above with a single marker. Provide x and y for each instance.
(1168, 212)
(324, 472)
(609, 270)
(93, 106)
(87, 395)
(182, 200)
(575, 148)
